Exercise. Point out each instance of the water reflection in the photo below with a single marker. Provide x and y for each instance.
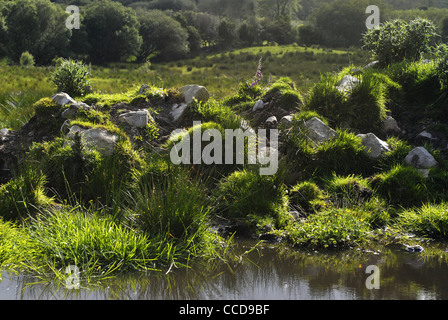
(270, 273)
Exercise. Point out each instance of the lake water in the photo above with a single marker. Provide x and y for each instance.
(268, 273)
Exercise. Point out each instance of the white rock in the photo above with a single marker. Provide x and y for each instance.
(177, 111)
(271, 120)
(372, 64)
(195, 91)
(286, 120)
(139, 118)
(420, 158)
(318, 131)
(375, 147)
(73, 129)
(390, 125)
(348, 83)
(425, 134)
(258, 105)
(62, 98)
(100, 139)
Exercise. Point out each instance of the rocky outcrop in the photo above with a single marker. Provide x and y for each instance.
(194, 91)
(258, 105)
(420, 158)
(189, 93)
(62, 98)
(98, 138)
(390, 126)
(318, 131)
(375, 147)
(137, 119)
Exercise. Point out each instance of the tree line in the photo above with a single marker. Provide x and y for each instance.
(163, 30)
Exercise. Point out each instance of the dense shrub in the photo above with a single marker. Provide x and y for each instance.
(401, 186)
(247, 195)
(363, 108)
(398, 40)
(428, 220)
(26, 59)
(71, 77)
(307, 196)
(334, 228)
(170, 200)
(23, 195)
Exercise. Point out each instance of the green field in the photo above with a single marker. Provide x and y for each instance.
(221, 73)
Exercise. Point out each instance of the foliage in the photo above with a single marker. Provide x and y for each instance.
(94, 243)
(23, 195)
(26, 59)
(37, 26)
(112, 31)
(171, 202)
(16, 247)
(163, 37)
(340, 23)
(401, 186)
(429, 220)
(245, 193)
(363, 108)
(72, 77)
(397, 40)
(334, 228)
(307, 196)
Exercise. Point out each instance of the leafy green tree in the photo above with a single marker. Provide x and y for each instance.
(274, 9)
(26, 59)
(249, 32)
(3, 35)
(342, 22)
(113, 31)
(226, 32)
(163, 36)
(279, 30)
(36, 26)
(175, 5)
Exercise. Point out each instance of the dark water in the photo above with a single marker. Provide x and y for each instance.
(269, 273)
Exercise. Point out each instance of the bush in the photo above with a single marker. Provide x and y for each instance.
(247, 195)
(429, 220)
(397, 40)
(307, 196)
(348, 190)
(401, 186)
(342, 155)
(79, 174)
(364, 108)
(26, 59)
(170, 201)
(71, 77)
(335, 228)
(23, 195)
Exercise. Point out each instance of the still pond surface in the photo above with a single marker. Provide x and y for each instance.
(269, 273)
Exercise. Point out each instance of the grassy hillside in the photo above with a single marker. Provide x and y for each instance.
(133, 209)
(220, 73)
